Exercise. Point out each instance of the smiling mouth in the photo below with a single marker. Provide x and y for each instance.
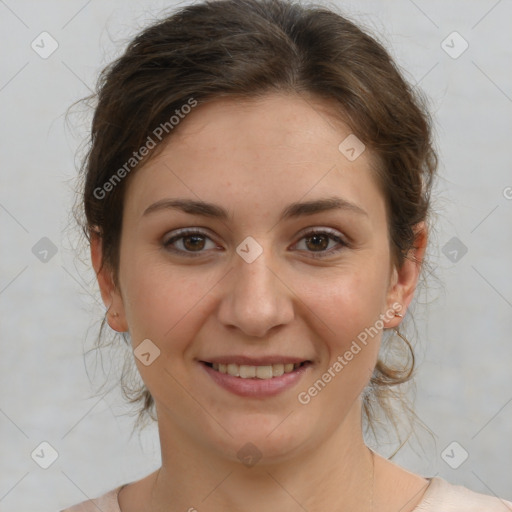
(256, 372)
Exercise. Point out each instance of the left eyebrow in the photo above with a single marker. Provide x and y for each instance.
(293, 210)
(320, 205)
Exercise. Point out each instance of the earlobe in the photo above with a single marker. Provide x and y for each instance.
(109, 292)
(406, 277)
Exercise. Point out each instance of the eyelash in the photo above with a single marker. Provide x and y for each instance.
(190, 232)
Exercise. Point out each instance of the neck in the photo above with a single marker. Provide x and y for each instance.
(334, 475)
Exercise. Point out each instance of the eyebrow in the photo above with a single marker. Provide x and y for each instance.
(293, 210)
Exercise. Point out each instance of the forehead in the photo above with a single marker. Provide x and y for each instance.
(250, 154)
(277, 124)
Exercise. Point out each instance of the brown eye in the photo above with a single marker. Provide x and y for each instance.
(188, 243)
(317, 242)
(193, 242)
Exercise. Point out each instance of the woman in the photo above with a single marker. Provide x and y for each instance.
(257, 204)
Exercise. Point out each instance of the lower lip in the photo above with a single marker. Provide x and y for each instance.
(257, 388)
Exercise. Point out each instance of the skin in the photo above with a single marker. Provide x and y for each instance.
(254, 158)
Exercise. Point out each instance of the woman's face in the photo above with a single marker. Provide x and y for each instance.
(262, 284)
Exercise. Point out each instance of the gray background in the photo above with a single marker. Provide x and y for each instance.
(50, 310)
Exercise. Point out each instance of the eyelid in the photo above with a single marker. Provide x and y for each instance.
(319, 229)
(181, 233)
(188, 231)
(333, 235)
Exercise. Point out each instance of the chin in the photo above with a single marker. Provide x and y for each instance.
(270, 438)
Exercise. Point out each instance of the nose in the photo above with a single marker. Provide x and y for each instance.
(256, 297)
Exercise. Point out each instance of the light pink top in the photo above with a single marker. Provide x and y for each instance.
(440, 496)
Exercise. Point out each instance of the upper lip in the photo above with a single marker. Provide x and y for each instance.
(254, 361)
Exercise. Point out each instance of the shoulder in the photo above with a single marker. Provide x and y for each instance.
(106, 503)
(442, 496)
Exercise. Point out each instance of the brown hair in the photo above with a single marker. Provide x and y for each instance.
(245, 49)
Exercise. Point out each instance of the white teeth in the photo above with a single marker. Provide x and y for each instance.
(264, 372)
(277, 370)
(249, 372)
(234, 370)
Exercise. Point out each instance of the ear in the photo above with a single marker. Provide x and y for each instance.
(109, 292)
(404, 280)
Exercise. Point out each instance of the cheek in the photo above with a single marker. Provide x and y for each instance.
(163, 301)
(164, 304)
(347, 306)
(345, 309)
